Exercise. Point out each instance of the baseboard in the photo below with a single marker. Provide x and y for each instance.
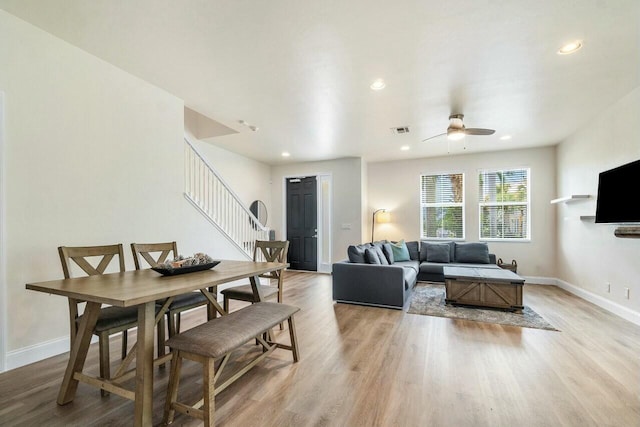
(613, 307)
(532, 280)
(37, 352)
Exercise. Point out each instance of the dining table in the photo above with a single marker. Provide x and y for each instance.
(141, 288)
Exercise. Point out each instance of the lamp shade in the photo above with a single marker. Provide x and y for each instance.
(383, 217)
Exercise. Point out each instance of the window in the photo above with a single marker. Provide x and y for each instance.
(442, 206)
(504, 204)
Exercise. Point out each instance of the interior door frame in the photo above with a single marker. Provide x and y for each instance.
(3, 263)
(323, 212)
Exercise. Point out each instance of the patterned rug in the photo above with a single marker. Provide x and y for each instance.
(428, 299)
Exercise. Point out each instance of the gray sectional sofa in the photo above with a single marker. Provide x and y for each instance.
(362, 280)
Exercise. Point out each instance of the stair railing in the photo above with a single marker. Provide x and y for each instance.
(212, 196)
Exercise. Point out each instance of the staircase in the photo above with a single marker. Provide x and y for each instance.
(212, 196)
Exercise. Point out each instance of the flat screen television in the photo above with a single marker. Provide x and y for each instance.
(619, 194)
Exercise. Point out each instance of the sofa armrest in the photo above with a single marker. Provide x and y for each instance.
(369, 284)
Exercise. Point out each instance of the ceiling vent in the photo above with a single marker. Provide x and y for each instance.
(400, 130)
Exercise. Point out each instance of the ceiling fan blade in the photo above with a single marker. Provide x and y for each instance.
(479, 131)
(435, 136)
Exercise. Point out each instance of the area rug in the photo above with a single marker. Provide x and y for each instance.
(428, 299)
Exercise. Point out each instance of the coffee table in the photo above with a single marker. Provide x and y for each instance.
(483, 287)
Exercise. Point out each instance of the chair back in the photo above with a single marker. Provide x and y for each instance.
(145, 250)
(271, 251)
(79, 255)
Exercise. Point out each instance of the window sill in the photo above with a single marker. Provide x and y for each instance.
(507, 240)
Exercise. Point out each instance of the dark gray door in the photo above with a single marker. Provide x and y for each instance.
(302, 223)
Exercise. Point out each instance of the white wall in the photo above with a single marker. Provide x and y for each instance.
(395, 186)
(249, 179)
(346, 191)
(589, 255)
(93, 156)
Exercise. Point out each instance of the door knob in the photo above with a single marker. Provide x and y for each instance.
(315, 235)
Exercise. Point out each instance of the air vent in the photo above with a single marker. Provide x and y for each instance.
(400, 130)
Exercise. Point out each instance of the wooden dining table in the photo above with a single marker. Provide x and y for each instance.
(141, 288)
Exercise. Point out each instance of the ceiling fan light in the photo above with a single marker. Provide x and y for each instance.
(455, 135)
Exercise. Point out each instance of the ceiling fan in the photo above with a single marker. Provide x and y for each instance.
(456, 130)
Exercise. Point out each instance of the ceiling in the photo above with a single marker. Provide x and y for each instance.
(300, 70)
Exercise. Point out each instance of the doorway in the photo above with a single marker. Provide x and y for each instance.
(3, 264)
(302, 222)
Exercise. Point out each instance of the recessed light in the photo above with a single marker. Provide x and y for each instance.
(378, 84)
(405, 148)
(285, 154)
(505, 137)
(571, 47)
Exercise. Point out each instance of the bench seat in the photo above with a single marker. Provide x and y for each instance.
(224, 334)
(217, 338)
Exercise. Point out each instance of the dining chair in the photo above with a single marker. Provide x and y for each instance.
(157, 253)
(270, 251)
(112, 320)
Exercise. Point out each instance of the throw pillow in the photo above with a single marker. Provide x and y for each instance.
(388, 252)
(437, 252)
(381, 256)
(400, 251)
(414, 250)
(371, 256)
(475, 253)
(356, 254)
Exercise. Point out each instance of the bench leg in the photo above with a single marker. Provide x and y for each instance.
(294, 339)
(172, 388)
(209, 394)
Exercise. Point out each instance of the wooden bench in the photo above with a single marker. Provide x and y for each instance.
(219, 338)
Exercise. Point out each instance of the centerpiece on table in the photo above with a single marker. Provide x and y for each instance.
(181, 264)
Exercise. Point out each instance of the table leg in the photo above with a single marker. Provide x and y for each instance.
(78, 353)
(210, 293)
(144, 365)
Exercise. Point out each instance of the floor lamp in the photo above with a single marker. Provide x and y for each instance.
(383, 217)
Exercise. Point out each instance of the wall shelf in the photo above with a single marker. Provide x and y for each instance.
(571, 198)
(628, 232)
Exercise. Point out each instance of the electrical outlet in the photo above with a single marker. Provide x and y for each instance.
(626, 293)
(607, 287)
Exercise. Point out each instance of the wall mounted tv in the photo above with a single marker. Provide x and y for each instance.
(619, 194)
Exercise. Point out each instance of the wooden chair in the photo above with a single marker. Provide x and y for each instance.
(180, 303)
(112, 319)
(272, 251)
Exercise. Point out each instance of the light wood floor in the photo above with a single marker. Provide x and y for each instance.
(364, 366)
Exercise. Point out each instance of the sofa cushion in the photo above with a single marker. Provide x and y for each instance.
(388, 252)
(413, 265)
(432, 267)
(371, 256)
(423, 249)
(438, 252)
(356, 253)
(410, 276)
(383, 259)
(476, 252)
(414, 250)
(400, 251)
